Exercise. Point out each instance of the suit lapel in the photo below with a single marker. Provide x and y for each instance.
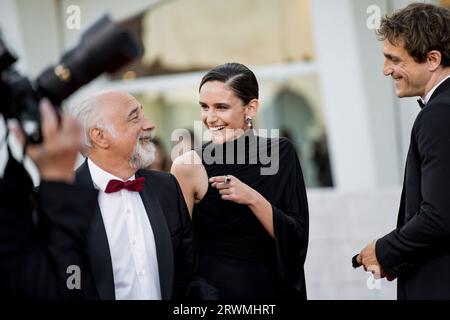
(443, 87)
(97, 245)
(164, 249)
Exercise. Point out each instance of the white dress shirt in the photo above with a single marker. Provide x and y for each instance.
(430, 93)
(130, 238)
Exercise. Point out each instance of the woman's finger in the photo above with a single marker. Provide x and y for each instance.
(224, 179)
(221, 185)
(226, 197)
(217, 179)
(225, 191)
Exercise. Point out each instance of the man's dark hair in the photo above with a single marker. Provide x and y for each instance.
(421, 28)
(238, 77)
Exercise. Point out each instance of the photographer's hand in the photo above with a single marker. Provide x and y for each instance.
(55, 157)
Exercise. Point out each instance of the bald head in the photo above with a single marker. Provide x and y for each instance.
(113, 99)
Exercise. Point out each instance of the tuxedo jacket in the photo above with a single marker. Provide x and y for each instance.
(418, 250)
(173, 233)
(42, 234)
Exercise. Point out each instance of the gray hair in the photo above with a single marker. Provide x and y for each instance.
(89, 115)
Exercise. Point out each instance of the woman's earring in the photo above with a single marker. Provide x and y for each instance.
(249, 121)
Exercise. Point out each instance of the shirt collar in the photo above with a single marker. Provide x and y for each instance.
(100, 177)
(430, 93)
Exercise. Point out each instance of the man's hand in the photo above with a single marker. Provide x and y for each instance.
(368, 259)
(55, 157)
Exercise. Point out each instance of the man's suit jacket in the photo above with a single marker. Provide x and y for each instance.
(41, 234)
(172, 229)
(418, 251)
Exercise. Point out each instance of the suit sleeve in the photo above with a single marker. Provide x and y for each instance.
(35, 254)
(188, 285)
(291, 225)
(429, 229)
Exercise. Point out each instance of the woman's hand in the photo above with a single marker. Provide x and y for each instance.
(231, 188)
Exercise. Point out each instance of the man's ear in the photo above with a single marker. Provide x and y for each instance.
(252, 108)
(98, 138)
(434, 59)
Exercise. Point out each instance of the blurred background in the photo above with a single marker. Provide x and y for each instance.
(319, 66)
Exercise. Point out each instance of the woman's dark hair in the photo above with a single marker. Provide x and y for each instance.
(238, 77)
(420, 27)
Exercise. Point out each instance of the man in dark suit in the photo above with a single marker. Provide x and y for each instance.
(417, 56)
(140, 242)
(42, 234)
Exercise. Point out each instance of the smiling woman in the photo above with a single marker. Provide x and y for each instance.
(229, 101)
(252, 227)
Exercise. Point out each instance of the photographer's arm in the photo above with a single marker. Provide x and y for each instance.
(37, 255)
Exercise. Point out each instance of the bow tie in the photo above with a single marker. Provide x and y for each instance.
(421, 104)
(131, 185)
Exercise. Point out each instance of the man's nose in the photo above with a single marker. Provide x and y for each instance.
(387, 69)
(147, 125)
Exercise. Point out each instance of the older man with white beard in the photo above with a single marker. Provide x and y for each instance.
(140, 242)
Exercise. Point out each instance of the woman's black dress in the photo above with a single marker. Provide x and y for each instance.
(237, 255)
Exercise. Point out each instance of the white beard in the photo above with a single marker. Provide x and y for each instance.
(143, 155)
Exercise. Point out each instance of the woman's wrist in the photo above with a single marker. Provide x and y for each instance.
(256, 200)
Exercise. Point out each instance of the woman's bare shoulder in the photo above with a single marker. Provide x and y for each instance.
(188, 164)
(188, 168)
(188, 158)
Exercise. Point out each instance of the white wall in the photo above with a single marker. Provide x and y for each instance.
(341, 224)
(358, 102)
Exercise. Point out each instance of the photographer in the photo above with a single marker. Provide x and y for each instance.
(42, 234)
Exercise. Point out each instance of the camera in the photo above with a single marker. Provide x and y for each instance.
(103, 47)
